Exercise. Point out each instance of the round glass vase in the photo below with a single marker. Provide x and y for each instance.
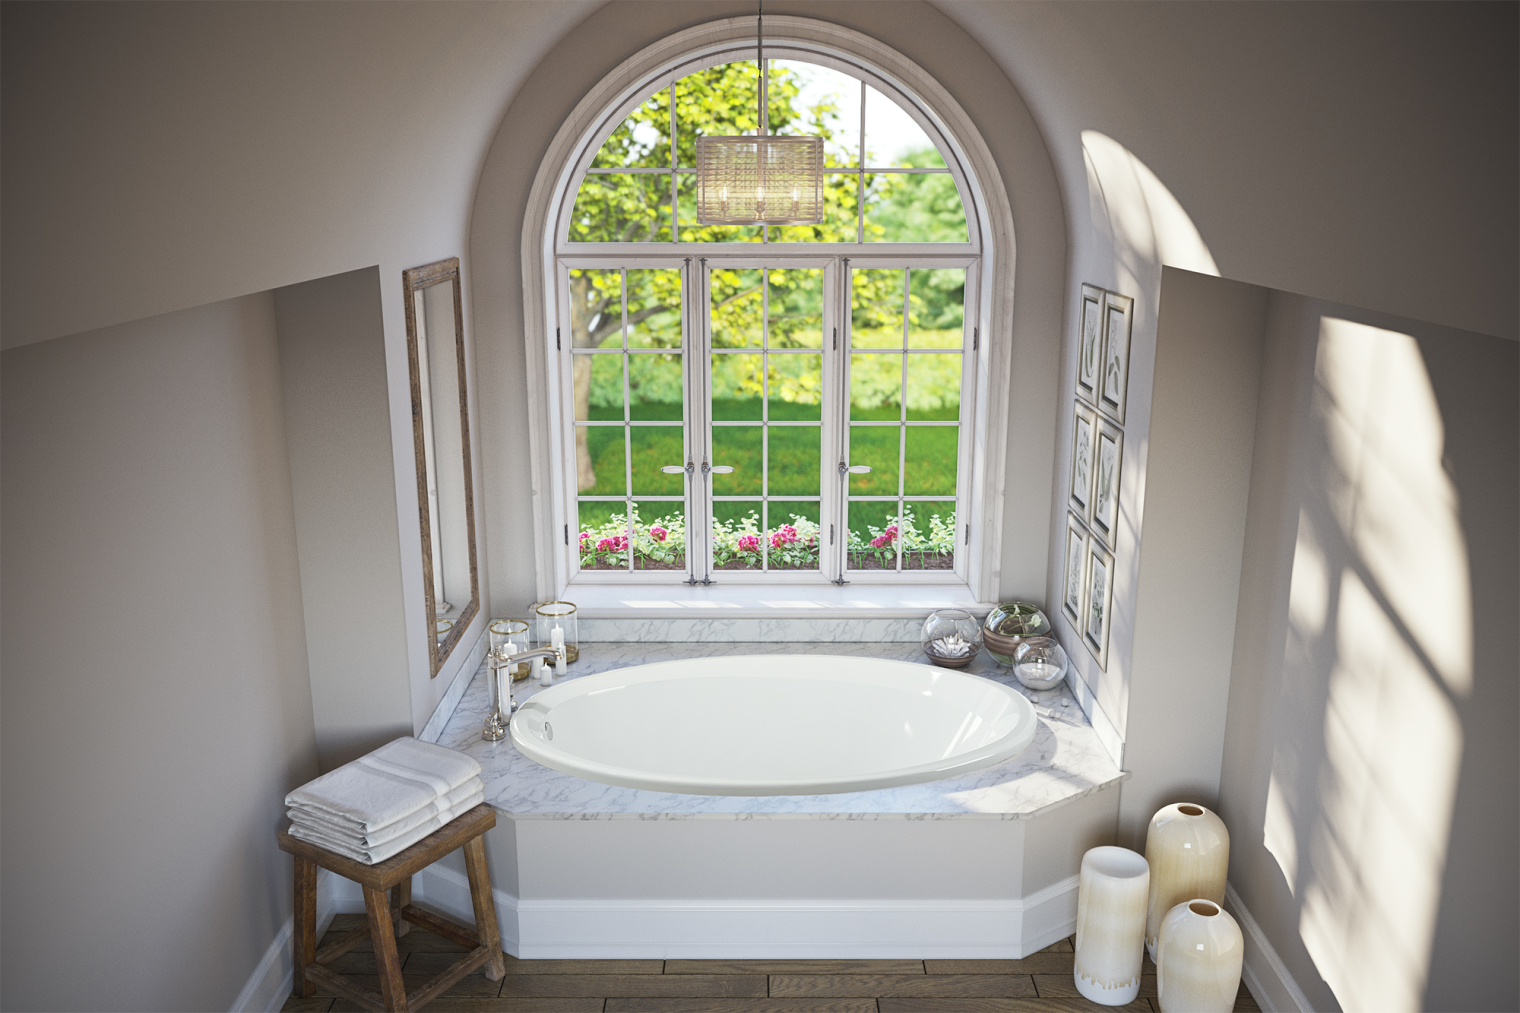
(1009, 625)
(1040, 663)
(951, 638)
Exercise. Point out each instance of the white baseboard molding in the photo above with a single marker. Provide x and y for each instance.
(270, 984)
(765, 929)
(1268, 978)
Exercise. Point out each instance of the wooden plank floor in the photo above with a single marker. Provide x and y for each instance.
(1040, 983)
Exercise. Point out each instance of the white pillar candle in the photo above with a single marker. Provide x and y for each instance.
(557, 638)
(1111, 894)
(544, 672)
(559, 662)
(1188, 850)
(1199, 953)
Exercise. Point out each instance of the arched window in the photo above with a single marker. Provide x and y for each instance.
(769, 405)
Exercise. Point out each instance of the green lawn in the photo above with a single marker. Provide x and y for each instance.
(795, 470)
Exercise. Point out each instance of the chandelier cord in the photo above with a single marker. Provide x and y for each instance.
(764, 127)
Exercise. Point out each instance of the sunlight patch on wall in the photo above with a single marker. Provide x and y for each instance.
(1379, 644)
(1145, 222)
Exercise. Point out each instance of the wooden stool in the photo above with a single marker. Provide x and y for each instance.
(386, 920)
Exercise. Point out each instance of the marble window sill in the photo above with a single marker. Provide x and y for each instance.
(1065, 762)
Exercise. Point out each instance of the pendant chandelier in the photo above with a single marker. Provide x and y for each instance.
(760, 180)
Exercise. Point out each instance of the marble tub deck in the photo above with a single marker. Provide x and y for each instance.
(1065, 761)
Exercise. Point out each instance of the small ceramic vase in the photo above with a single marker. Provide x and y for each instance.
(1111, 894)
(1188, 850)
(1198, 959)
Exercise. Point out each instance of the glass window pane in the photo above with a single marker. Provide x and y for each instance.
(793, 460)
(792, 536)
(737, 308)
(876, 307)
(622, 208)
(599, 461)
(642, 140)
(929, 460)
(876, 387)
(934, 387)
(873, 535)
(936, 307)
(659, 535)
(893, 138)
(806, 99)
(654, 308)
(796, 387)
(720, 101)
(840, 214)
(739, 448)
(795, 308)
(603, 536)
(915, 208)
(736, 388)
(596, 308)
(654, 387)
(598, 388)
(652, 448)
(737, 539)
(877, 448)
(929, 536)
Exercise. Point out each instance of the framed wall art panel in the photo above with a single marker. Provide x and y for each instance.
(1075, 588)
(1099, 600)
(1118, 311)
(1107, 457)
(1090, 344)
(1084, 436)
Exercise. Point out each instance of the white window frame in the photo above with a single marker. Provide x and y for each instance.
(990, 256)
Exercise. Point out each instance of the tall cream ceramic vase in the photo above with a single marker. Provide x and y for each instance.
(1111, 897)
(1198, 958)
(1188, 850)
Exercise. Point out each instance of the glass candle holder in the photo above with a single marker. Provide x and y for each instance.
(1040, 663)
(510, 636)
(1008, 625)
(442, 628)
(558, 627)
(951, 637)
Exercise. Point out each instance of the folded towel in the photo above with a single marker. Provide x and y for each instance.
(386, 785)
(398, 844)
(343, 832)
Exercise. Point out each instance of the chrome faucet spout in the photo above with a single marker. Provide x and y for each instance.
(547, 653)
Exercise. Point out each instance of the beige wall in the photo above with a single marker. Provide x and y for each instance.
(338, 433)
(154, 700)
(1368, 775)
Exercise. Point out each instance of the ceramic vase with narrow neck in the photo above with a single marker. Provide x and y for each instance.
(1188, 850)
(1198, 958)
(1111, 893)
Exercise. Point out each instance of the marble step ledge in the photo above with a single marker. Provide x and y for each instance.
(749, 630)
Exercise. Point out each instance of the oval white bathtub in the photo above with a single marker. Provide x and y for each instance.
(773, 725)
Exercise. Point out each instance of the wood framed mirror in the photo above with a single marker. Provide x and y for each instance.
(441, 434)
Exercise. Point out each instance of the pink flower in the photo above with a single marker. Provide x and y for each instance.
(788, 532)
(886, 538)
(585, 536)
(616, 543)
(749, 543)
(658, 533)
(777, 540)
(605, 545)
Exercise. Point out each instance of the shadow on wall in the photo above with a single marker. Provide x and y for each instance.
(1379, 682)
(1138, 215)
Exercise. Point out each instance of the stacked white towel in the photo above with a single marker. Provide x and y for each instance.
(385, 801)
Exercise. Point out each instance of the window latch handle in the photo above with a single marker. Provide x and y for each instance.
(676, 469)
(717, 469)
(854, 469)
